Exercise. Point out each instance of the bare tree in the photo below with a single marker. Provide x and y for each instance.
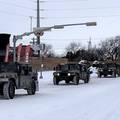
(73, 47)
(48, 52)
(111, 48)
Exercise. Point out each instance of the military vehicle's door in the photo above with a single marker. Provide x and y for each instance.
(84, 72)
(25, 76)
(80, 71)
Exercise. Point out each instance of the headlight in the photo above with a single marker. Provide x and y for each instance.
(69, 74)
(109, 70)
(58, 74)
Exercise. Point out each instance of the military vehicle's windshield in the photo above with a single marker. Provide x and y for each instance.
(111, 65)
(73, 67)
(67, 67)
(107, 65)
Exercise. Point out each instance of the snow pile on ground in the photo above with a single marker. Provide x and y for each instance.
(98, 100)
(94, 71)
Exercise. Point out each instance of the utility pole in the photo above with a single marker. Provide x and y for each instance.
(31, 18)
(38, 24)
(14, 48)
(33, 42)
(38, 37)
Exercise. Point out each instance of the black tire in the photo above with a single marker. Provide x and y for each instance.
(76, 80)
(67, 81)
(9, 90)
(32, 88)
(99, 75)
(105, 75)
(114, 74)
(1, 89)
(55, 81)
(87, 79)
(118, 75)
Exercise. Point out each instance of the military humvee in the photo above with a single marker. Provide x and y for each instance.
(105, 69)
(71, 72)
(17, 76)
(118, 69)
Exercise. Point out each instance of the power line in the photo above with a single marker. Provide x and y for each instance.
(74, 39)
(67, 39)
(33, 1)
(75, 9)
(16, 5)
(79, 17)
(62, 1)
(14, 14)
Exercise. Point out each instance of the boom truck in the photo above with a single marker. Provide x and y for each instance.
(15, 75)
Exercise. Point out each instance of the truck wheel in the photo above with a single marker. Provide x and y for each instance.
(87, 79)
(99, 75)
(118, 75)
(32, 88)
(55, 81)
(105, 75)
(9, 90)
(67, 81)
(114, 74)
(76, 80)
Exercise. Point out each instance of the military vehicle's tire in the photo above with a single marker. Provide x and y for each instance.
(87, 79)
(114, 74)
(67, 81)
(105, 75)
(32, 88)
(55, 81)
(99, 75)
(9, 90)
(76, 80)
(118, 75)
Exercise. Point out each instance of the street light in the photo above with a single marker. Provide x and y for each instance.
(91, 24)
(43, 29)
(65, 25)
(39, 30)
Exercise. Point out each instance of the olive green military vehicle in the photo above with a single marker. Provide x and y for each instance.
(71, 73)
(17, 76)
(118, 69)
(105, 69)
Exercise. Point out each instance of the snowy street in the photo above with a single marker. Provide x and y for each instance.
(97, 100)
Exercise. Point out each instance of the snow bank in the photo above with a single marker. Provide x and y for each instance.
(98, 100)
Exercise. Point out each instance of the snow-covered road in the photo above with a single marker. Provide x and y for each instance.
(98, 100)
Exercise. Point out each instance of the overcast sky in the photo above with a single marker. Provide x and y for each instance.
(14, 19)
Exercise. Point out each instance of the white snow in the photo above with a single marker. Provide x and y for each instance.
(98, 100)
